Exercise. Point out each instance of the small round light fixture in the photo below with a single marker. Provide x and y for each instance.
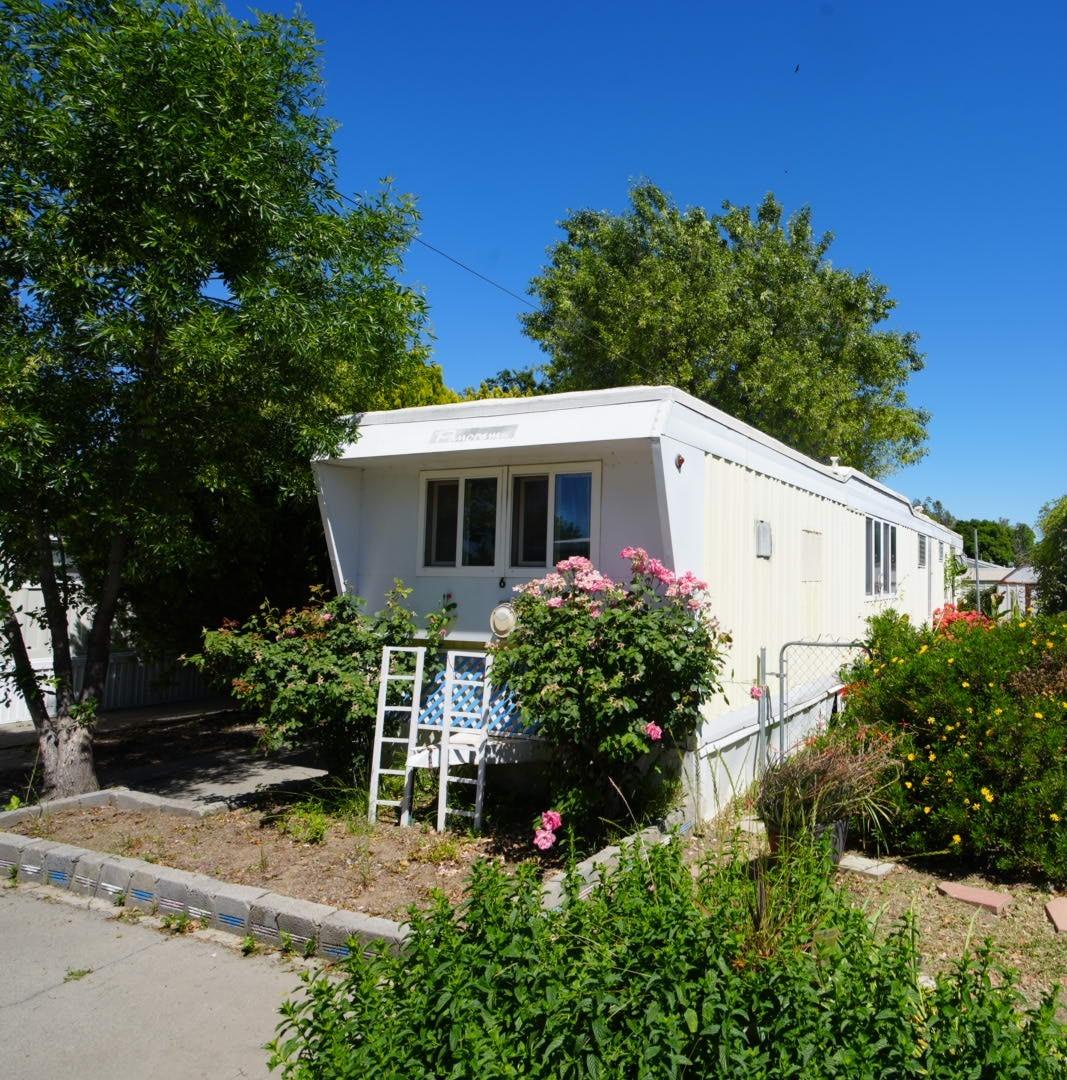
(502, 620)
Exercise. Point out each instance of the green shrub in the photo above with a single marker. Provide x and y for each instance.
(311, 673)
(752, 971)
(614, 675)
(980, 713)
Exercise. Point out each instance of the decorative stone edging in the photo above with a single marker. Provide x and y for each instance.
(121, 797)
(553, 891)
(235, 909)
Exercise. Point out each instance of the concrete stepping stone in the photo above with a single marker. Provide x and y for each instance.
(986, 899)
(1056, 910)
(860, 864)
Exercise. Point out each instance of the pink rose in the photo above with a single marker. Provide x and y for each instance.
(555, 601)
(544, 839)
(654, 731)
(327, 616)
(551, 820)
(756, 692)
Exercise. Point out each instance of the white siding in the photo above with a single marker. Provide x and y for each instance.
(812, 586)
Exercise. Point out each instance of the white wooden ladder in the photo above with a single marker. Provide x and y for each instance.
(449, 729)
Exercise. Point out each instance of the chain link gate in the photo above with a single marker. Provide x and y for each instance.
(807, 672)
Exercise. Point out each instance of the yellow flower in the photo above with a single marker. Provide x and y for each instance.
(911, 757)
(956, 838)
(969, 709)
(950, 780)
(926, 809)
(933, 756)
(951, 659)
(998, 712)
(965, 684)
(990, 686)
(1022, 624)
(1039, 716)
(1054, 817)
(1048, 645)
(987, 794)
(923, 648)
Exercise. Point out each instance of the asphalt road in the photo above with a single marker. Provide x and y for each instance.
(152, 1005)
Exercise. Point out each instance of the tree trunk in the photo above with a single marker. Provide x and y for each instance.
(66, 739)
(67, 758)
(98, 647)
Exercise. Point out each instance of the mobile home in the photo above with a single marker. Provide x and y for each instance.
(476, 498)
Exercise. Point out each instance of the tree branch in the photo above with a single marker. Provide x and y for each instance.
(98, 649)
(56, 615)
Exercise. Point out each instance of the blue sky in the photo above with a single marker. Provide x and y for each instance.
(930, 138)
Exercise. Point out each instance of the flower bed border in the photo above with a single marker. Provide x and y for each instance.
(231, 908)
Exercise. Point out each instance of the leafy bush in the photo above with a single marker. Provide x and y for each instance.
(611, 673)
(980, 713)
(311, 673)
(752, 971)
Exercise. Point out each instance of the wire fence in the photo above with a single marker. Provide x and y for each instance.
(808, 672)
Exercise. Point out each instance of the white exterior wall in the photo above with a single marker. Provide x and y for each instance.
(29, 600)
(803, 592)
(130, 682)
(372, 521)
(767, 602)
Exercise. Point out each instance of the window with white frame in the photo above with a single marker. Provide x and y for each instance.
(521, 518)
(881, 558)
(922, 552)
(941, 551)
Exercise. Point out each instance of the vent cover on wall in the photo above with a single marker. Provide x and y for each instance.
(764, 542)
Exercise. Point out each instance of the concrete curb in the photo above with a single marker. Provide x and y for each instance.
(234, 909)
(122, 798)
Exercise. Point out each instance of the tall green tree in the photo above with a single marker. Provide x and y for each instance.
(188, 310)
(996, 540)
(743, 309)
(1050, 557)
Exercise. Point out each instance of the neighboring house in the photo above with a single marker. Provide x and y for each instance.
(475, 498)
(131, 682)
(1015, 587)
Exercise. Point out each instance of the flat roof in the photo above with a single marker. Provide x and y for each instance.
(639, 424)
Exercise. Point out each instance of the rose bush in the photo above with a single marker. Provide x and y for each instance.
(613, 673)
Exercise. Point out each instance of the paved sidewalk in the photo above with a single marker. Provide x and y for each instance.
(168, 1008)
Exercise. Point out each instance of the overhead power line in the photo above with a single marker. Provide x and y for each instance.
(609, 354)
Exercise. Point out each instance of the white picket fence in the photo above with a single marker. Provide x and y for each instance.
(131, 683)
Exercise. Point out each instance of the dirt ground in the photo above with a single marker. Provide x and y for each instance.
(1022, 936)
(380, 869)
